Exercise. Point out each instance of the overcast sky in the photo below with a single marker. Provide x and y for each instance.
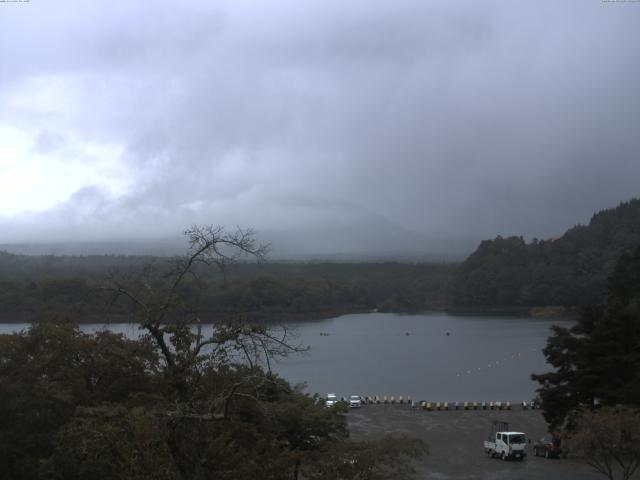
(444, 119)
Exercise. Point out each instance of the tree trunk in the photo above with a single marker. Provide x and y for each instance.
(296, 470)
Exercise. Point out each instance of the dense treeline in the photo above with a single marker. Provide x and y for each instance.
(569, 271)
(78, 406)
(31, 287)
(100, 406)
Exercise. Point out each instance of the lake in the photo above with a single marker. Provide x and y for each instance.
(483, 358)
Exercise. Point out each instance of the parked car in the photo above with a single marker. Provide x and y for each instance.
(547, 447)
(355, 401)
(331, 400)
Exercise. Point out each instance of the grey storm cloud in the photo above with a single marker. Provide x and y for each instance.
(435, 119)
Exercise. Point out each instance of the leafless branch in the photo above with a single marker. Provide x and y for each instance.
(156, 296)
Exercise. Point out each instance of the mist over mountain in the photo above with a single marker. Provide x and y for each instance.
(451, 120)
(321, 244)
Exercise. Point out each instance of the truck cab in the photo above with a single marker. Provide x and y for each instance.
(506, 444)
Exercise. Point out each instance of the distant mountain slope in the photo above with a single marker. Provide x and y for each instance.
(567, 271)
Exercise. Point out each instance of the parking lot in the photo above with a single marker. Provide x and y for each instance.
(455, 440)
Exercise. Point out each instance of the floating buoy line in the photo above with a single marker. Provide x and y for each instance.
(497, 363)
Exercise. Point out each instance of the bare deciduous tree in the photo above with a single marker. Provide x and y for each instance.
(176, 329)
(608, 440)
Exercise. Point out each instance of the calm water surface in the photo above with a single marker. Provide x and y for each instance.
(482, 358)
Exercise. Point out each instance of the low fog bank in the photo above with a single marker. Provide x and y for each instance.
(320, 245)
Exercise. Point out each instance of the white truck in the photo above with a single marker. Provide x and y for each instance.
(505, 444)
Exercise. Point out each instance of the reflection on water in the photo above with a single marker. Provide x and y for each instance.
(480, 359)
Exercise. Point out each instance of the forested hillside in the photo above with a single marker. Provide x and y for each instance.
(568, 271)
(36, 287)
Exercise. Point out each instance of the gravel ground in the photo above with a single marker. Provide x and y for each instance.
(455, 440)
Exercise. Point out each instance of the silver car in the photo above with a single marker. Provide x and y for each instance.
(355, 401)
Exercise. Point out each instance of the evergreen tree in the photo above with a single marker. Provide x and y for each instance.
(597, 360)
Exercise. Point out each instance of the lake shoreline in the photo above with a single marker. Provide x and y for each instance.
(548, 312)
(531, 311)
(109, 319)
